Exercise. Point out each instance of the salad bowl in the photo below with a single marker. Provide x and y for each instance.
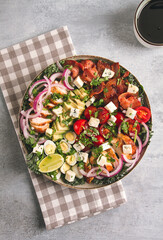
(85, 122)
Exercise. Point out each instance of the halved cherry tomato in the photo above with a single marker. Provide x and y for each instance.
(103, 115)
(143, 114)
(133, 126)
(104, 132)
(89, 112)
(79, 126)
(100, 140)
(119, 116)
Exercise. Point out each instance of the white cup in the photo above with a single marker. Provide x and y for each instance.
(138, 35)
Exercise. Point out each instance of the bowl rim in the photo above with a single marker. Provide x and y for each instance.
(91, 186)
(145, 41)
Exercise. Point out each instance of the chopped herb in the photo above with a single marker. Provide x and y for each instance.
(97, 81)
(97, 151)
(56, 96)
(85, 98)
(35, 92)
(117, 143)
(46, 102)
(67, 121)
(118, 81)
(99, 171)
(49, 116)
(96, 114)
(98, 103)
(81, 165)
(105, 90)
(90, 112)
(136, 132)
(125, 126)
(95, 73)
(68, 67)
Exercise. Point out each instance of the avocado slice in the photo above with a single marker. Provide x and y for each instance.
(56, 137)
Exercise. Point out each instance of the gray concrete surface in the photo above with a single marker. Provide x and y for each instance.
(101, 28)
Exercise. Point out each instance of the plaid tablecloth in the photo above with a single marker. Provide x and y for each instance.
(19, 64)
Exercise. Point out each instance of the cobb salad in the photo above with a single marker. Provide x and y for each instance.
(84, 121)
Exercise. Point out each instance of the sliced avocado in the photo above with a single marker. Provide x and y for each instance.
(82, 93)
(73, 104)
(79, 103)
(72, 94)
(60, 127)
(66, 106)
(56, 137)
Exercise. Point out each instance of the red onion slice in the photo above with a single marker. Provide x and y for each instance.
(66, 74)
(54, 76)
(147, 135)
(118, 169)
(99, 177)
(140, 146)
(82, 172)
(59, 66)
(34, 85)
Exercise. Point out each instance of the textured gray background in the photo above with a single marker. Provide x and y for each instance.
(101, 28)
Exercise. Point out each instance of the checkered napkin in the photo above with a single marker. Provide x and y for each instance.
(19, 64)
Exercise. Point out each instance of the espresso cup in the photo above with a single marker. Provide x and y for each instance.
(157, 5)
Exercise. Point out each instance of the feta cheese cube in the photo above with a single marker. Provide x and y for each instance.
(94, 122)
(78, 82)
(111, 107)
(70, 176)
(108, 73)
(105, 146)
(101, 160)
(131, 113)
(127, 149)
(83, 156)
(90, 101)
(49, 132)
(132, 88)
(74, 112)
(78, 146)
(38, 148)
(57, 111)
(112, 120)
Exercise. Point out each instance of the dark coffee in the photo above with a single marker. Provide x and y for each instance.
(150, 21)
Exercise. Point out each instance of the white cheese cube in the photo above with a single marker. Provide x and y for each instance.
(49, 132)
(78, 146)
(101, 160)
(38, 148)
(131, 113)
(94, 122)
(108, 73)
(70, 176)
(57, 111)
(78, 82)
(74, 112)
(83, 156)
(111, 107)
(132, 88)
(90, 101)
(112, 120)
(65, 167)
(105, 146)
(127, 149)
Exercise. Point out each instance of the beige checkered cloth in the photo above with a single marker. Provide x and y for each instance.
(19, 64)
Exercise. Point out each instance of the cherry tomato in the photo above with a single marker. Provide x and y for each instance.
(103, 115)
(100, 140)
(79, 126)
(119, 116)
(143, 114)
(133, 126)
(104, 132)
(89, 112)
